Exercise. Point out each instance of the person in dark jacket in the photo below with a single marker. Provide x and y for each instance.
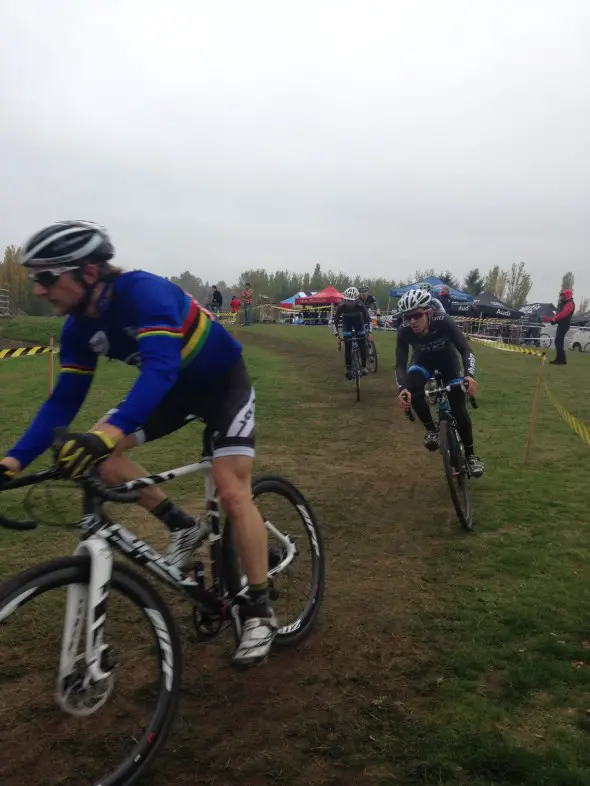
(216, 299)
(444, 296)
(563, 320)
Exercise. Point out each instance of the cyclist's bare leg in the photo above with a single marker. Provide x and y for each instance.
(232, 476)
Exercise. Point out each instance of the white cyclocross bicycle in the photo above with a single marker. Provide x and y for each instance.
(42, 700)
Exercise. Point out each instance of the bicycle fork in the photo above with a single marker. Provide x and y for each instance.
(79, 672)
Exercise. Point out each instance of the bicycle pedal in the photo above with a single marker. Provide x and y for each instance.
(207, 626)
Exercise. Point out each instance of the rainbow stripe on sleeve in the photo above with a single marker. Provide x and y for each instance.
(159, 330)
(73, 368)
(194, 330)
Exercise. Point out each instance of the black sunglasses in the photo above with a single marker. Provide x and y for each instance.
(47, 278)
(414, 316)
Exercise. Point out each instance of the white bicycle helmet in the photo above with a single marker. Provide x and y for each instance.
(426, 287)
(351, 293)
(67, 243)
(415, 298)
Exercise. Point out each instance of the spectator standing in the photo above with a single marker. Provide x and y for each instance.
(234, 304)
(563, 320)
(247, 301)
(445, 299)
(216, 299)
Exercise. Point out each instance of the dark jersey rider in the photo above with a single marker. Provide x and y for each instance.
(437, 341)
(354, 316)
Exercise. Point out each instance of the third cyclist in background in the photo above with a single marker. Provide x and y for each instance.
(435, 339)
(355, 316)
(369, 300)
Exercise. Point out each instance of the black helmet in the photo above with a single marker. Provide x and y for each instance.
(67, 243)
(364, 290)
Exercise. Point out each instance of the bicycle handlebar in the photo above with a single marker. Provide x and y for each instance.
(446, 388)
(91, 483)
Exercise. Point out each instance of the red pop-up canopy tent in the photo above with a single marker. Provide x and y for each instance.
(326, 297)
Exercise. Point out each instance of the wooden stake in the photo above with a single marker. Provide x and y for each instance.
(534, 410)
(50, 365)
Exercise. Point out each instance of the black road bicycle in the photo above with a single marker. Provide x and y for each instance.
(451, 446)
(87, 670)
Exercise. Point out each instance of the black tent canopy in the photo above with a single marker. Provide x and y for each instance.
(539, 310)
(486, 305)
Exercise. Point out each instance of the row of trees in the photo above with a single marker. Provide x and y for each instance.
(15, 279)
(512, 285)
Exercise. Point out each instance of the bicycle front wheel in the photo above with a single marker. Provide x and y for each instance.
(297, 590)
(107, 733)
(456, 473)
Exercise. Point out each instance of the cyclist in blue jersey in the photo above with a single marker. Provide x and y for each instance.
(189, 367)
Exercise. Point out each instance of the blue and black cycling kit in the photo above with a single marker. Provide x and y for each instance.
(353, 315)
(436, 350)
(144, 321)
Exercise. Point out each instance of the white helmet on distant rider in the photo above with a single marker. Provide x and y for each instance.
(351, 293)
(415, 298)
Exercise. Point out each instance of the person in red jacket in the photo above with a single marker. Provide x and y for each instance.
(563, 320)
(234, 304)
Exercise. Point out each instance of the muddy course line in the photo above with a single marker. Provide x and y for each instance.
(339, 710)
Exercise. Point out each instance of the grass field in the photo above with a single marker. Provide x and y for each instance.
(440, 657)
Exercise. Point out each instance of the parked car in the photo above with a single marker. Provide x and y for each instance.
(577, 338)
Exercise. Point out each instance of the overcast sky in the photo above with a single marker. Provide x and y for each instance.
(372, 136)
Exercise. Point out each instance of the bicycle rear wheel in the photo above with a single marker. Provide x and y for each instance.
(456, 473)
(300, 585)
(99, 739)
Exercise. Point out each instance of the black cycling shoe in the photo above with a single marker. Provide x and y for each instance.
(431, 441)
(348, 374)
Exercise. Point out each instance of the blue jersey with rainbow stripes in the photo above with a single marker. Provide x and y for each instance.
(145, 321)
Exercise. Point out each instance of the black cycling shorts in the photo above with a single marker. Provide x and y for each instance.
(225, 404)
